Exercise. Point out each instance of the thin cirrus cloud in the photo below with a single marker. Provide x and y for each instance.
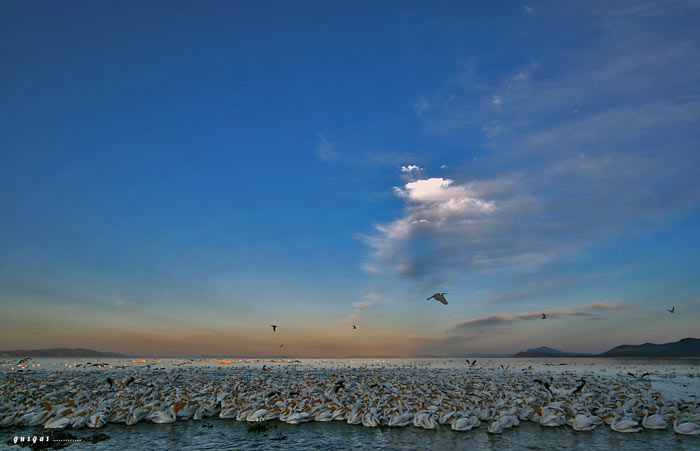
(325, 149)
(499, 319)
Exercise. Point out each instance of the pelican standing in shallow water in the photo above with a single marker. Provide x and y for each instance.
(440, 297)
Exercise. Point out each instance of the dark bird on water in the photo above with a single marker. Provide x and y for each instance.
(274, 327)
(580, 387)
(544, 316)
(110, 382)
(672, 309)
(440, 297)
(545, 385)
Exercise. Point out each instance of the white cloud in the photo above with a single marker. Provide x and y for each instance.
(554, 182)
(411, 168)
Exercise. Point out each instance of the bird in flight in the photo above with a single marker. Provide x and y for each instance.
(274, 327)
(440, 297)
(354, 326)
(672, 309)
(544, 316)
(639, 377)
(281, 346)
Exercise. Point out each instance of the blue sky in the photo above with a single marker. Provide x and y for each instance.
(176, 177)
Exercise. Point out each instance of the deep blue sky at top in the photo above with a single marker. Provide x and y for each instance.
(123, 121)
(170, 154)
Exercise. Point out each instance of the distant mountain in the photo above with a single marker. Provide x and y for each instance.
(687, 347)
(58, 352)
(544, 351)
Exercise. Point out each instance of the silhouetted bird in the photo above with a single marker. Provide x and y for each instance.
(544, 316)
(580, 387)
(672, 310)
(440, 297)
(274, 327)
(638, 377)
(544, 384)
(354, 326)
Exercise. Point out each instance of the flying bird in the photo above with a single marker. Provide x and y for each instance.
(274, 327)
(354, 326)
(281, 346)
(440, 297)
(672, 309)
(638, 377)
(544, 316)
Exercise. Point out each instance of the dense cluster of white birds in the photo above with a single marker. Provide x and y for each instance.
(391, 395)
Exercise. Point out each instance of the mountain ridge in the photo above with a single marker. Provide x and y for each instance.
(685, 347)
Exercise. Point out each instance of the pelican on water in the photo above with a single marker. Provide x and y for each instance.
(440, 297)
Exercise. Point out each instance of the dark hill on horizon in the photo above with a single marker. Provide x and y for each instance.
(686, 347)
(58, 352)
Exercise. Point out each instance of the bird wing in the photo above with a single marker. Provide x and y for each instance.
(440, 298)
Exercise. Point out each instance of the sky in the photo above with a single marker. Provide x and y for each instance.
(175, 177)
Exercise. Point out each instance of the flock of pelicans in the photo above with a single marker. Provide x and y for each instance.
(462, 398)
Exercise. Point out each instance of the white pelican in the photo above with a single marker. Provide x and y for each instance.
(654, 421)
(687, 428)
(401, 419)
(495, 426)
(425, 420)
(624, 425)
(164, 416)
(584, 422)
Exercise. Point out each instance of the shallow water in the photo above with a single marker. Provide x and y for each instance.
(675, 378)
(232, 435)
